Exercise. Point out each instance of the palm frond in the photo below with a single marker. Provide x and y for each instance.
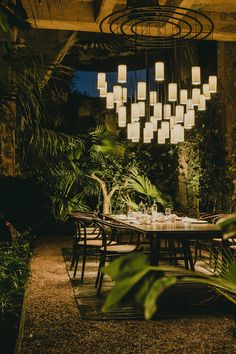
(143, 185)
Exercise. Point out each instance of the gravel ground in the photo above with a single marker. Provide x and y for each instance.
(53, 323)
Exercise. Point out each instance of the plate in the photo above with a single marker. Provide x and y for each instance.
(199, 222)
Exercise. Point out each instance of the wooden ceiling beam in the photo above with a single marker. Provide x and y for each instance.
(94, 27)
(106, 7)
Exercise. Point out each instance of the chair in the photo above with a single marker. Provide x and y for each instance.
(91, 231)
(126, 238)
(87, 241)
(213, 244)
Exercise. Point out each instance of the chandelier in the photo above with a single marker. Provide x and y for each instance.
(157, 108)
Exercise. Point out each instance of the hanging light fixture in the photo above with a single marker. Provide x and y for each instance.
(155, 105)
(122, 74)
(196, 75)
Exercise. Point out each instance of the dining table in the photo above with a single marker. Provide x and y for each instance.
(182, 230)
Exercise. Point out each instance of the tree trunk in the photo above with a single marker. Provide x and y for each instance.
(106, 204)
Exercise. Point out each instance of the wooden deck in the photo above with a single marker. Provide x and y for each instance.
(178, 301)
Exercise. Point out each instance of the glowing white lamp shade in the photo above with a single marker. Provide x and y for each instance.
(189, 104)
(167, 111)
(183, 96)
(159, 71)
(103, 91)
(117, 90)
(153, 97)
(177, 134)
(202, 104)
(149, 130)
(122, 73)
(154, 122)
(189, 119)
(101, 79)
(160, 137)
(213, 83)
(122, 117)
(179, 114)
(196, 75)
(172, 92)
(136, 131)
(134, 112)
(157, 110)
(146, 138)
(142, 90)
(165, 127)
(110, 100)
(118, 104)
(206, 92)
(172, 121)
(133, 131)
(141, 105)
(196, 92)
(124, 94)
(129, 131)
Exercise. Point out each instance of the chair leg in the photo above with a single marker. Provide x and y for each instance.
(100, 275)
(185, 254)
(190, 257)
(83, 266)
(197, 248)
(73, 259)
(76, 264)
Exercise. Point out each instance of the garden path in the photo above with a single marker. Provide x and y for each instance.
(53, 324)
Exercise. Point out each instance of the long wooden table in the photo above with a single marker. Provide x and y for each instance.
(178, 230)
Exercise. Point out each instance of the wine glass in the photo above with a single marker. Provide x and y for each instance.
(167, 211)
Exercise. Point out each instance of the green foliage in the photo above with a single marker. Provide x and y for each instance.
(228, 226)
(142, 185)
(138, 282)
(13, 274)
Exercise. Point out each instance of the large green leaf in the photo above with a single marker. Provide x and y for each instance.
(158, 287)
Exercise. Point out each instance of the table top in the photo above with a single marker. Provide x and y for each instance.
(204, 230)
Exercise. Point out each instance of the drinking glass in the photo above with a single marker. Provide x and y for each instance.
(167, 211)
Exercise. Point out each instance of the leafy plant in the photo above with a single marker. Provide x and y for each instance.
(142, 185)
(137, 281)
(13, 274)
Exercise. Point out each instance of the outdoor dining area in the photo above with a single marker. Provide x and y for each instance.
(117, 176)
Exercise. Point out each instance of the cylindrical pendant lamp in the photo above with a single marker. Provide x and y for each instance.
(179, 114)
(157, 111)
(196, 92)
(153, 97)
(141, 105)
(122, 73)
(167, 111)
(103, 91)
(196, 75)
(117, 90)
(206, 92)
(154, 122)
(142, 90)
(189, 104)
(149, 130)
(172, 92)
(165, 127)
(146, 138)
(172, 121)
(213, 83)
(110, 100)
(183, 96)
(134, 112)
(101, 79)
(202, 104)
(122, 117)
(160, 137)
(159, 71)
